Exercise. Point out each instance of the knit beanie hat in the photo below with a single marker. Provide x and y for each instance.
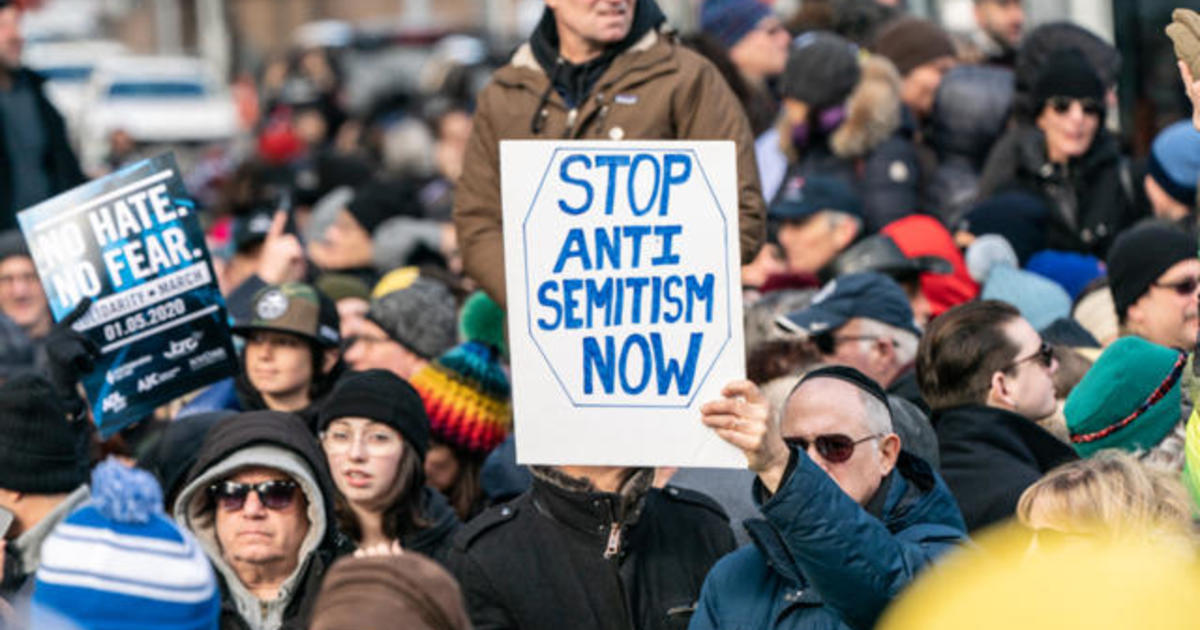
(1139, 256)
(466, 390)
(417, 312)
(404, 591)
(822, 69)
(119, 563)
(12, 243)
(383, 397)
(731, 20)
(378, 201)
(910, 42)
(1174, 161)
(1129, 399)
(1067, 72)
(1071, 270)
(42, 451)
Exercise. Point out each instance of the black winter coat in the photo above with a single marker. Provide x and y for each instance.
(555, 558)
(59, 163)
(990, 456)
(1089, 197)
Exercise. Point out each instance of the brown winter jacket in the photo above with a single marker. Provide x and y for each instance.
(657, 89)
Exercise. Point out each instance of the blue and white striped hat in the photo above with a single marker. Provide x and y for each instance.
(118, 562)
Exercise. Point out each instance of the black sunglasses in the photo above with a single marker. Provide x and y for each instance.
(1187, 286)
(1062, 105)
(276, 494)
(1044, 355)
(833, 447)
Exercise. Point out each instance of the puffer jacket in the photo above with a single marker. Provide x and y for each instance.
(275, 440)
(564, 555)
(819, 560)
(970, 111)
(1089, 196)
(656, 89)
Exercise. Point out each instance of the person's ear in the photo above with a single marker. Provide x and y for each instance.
(999, 390)
(889, 452)
(330, 359)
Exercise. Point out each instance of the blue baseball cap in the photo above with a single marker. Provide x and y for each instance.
(804, 196)
(869, 295)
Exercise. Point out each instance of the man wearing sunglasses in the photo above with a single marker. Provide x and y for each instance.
(988, 377)
(1154, 276)
(259, 499)
(849, 518)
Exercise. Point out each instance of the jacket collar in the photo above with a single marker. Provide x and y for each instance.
(577, 504)
(1012, 433)
(912, 495)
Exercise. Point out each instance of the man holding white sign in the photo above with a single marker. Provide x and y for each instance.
(596, 70)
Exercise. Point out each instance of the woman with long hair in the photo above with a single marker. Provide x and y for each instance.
(375, 434)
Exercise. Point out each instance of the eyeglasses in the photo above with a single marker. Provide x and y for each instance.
(1187, 286)
(827, 344)
(276, 494)
(1044, 355)
(378, 442)
(1062, 105)
(834, 448)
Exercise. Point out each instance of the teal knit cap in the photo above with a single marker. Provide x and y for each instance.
(1128, 400)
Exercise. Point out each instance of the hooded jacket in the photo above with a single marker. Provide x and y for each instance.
(564, 555)
(274, 440)
(989, 457)
(819, 560)
(870, 148)
(1089, 196)
(970, 112)
(654, 89)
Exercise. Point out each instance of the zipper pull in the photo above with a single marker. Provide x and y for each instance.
(614, 541)
(571, 116)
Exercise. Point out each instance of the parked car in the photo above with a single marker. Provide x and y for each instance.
(172, 101)
(67, 67)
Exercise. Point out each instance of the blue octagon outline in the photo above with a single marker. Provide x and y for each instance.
(529, 285)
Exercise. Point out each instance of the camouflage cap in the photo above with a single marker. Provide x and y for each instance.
(294, 308)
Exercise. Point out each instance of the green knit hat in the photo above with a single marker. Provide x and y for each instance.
(1128, 400)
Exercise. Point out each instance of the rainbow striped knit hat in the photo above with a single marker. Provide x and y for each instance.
(466, 391)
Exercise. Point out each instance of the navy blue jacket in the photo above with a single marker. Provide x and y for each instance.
(819, 560)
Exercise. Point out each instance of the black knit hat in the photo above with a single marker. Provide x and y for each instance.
(1067, 72)
(378, 201)
(12, 243)
(383, 397)
(821, 70)
(1139, 256)
(42, 451)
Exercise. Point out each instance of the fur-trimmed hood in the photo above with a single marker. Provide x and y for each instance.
(872, 113)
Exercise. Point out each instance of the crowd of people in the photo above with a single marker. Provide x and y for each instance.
(968, 306)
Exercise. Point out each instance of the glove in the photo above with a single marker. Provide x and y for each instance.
(1184, 31)
(71, 355)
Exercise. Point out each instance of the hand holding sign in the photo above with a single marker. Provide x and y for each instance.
(71, 354)
(282, 258)
(743, 418)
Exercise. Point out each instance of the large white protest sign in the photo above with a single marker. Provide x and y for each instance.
(624, 299)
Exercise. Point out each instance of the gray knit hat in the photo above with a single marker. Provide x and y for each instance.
(419, 313)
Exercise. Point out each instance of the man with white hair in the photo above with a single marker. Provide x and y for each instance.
(864, 320)
(850, 518)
